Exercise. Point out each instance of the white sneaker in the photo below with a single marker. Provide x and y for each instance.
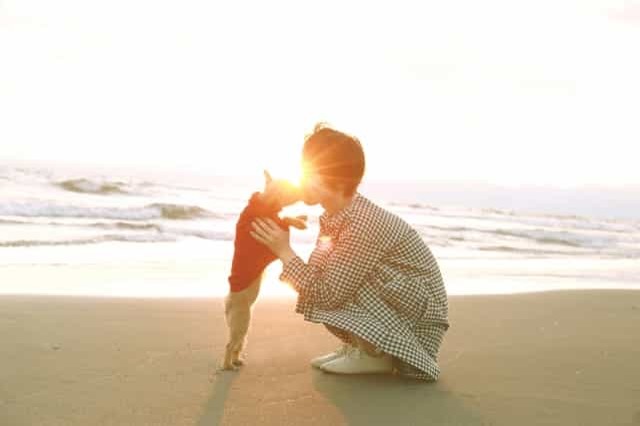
(319, 361)
(357, 361)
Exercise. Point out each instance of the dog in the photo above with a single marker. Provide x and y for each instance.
(250, 259)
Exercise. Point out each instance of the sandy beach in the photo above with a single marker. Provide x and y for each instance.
(561, 358)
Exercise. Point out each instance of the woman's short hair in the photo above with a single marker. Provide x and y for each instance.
(336, 156)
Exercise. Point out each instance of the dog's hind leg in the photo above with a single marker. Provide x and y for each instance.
(253, 290)
(251, 296)
(237, 310)
(239, 340)
(237, 315)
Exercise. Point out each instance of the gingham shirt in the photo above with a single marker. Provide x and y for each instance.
(371, 274)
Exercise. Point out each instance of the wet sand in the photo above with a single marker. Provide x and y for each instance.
(564, 357)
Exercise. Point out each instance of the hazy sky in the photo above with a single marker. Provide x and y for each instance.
(504, 91)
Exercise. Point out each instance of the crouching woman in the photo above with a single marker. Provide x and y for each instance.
(371, 279)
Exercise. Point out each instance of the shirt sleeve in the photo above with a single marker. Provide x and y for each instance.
(350, 261)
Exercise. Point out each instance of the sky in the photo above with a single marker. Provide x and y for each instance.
(508, 92)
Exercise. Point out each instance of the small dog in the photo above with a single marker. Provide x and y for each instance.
(250, 258)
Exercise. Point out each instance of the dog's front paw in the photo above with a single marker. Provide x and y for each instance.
(298, 222)
(228, 366)
(239, 362)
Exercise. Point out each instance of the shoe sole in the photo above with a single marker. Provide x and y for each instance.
(319, 366)
(385, 371)
(381, 370)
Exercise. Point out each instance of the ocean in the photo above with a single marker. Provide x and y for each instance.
(159, 233)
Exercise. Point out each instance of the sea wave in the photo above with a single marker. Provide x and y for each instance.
(610, 253)
(93, 240)
(530, 250)
(416, 206)
(569, 238)
(181, 211)
(12, 222)
(165, 235)
(545, 237)
(122, 225)
(87, 186)
(151, 211)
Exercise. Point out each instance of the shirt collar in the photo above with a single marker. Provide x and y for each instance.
(331, 223)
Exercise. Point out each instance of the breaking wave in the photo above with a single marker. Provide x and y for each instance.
(87, 186)
(151, 211)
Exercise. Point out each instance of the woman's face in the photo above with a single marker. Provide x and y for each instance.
(314, 190)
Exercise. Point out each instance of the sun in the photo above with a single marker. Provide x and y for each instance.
(286, 168)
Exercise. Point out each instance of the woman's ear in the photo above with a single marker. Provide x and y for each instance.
(340, 188)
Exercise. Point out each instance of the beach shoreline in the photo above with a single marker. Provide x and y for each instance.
(558, 357)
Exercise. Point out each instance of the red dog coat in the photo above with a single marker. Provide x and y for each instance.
(251, 257)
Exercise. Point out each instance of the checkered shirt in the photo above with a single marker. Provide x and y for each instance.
(372, 275)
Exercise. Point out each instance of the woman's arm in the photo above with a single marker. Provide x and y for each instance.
(352, 258)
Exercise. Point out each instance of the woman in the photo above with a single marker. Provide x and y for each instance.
(371, 279)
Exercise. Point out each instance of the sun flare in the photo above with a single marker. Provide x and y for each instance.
(288, 170)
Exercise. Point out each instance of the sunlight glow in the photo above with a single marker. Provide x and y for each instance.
(324, 242)
(209, 86)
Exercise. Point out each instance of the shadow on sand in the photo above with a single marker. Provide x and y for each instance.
(389, 400)
(214, 409)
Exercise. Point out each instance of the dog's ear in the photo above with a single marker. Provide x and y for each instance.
(267, 177)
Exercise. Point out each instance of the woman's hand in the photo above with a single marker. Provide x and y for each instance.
(267, 232)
